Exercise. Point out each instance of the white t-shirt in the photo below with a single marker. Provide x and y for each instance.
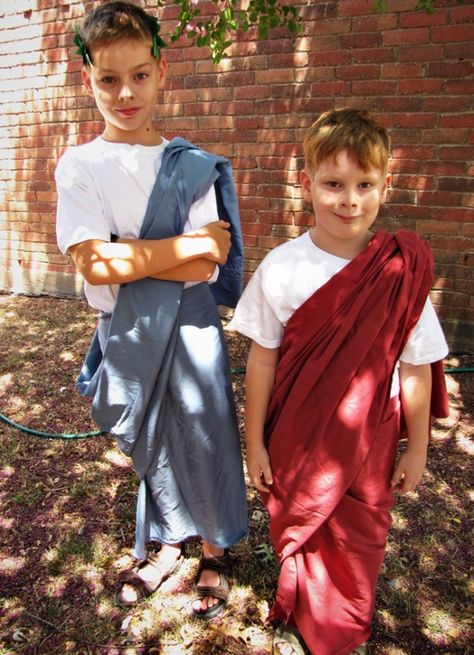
(103, 189)
(289, 275)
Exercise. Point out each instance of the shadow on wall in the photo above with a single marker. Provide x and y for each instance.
(22, 280)
(43, 111)
(253, 108)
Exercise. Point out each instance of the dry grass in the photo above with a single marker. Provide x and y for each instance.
(67, 523)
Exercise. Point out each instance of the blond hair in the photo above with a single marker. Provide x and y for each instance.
(354, 130)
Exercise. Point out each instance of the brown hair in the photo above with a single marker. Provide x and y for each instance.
(118, 20)
(354, 130)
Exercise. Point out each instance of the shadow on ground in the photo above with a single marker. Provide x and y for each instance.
(67, 522)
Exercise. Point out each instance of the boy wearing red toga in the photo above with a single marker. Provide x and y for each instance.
(344, 339)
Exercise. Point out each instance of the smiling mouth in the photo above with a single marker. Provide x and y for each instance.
(128, 112)
(346, 218)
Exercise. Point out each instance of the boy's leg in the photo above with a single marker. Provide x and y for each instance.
(208, 578)
(214, 570)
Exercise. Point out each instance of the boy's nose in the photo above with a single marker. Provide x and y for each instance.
(125, 92)
(349, 198)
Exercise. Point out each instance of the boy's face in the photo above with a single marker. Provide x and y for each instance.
(124, 81)
(346, 200)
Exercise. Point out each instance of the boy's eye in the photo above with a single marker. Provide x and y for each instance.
(365, 185)
(108, 80)
(333, 184)
(141, 76)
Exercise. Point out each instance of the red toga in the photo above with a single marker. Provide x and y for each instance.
(332, 433)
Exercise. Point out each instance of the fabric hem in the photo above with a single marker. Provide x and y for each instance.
(225, 544)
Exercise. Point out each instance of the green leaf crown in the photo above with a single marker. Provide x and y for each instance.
(156, 43)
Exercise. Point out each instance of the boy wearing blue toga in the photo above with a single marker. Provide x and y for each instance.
(153, 228)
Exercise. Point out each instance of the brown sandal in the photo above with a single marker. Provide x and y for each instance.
(223, 566)
(145, 588)
(287, 635)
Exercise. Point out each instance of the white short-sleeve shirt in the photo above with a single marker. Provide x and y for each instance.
(289, 275)
(103, 189)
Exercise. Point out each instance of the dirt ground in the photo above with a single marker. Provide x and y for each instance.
(67, 521)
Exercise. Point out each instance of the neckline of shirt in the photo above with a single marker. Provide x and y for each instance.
(324, 253)
(134, 146)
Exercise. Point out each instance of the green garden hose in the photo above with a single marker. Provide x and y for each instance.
(50, 435)
(98, 433)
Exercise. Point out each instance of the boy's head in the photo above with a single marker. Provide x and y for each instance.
(123, 70)
(353, 130)
(117, 21)
(345, 179)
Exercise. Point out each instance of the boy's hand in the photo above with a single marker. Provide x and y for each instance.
(219, 240)
(258, 467)
(408, 471)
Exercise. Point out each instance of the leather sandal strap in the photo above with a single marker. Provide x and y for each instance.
(142, 587)
(221, 565)
(221, 591)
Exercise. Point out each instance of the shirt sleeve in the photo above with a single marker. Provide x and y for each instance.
(254, 316)
(80, 214)
(426, 343)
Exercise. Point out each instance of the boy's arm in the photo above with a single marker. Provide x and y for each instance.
(101, 262)
(197, 270)
(261, 367)
(415, 390)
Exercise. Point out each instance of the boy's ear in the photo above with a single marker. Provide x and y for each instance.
(162, 66)
(305, 182)
(86, 79)
(385, 188)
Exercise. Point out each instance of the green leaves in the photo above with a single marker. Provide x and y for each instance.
(266, 553)
(216, 31)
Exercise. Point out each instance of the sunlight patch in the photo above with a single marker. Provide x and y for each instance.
(7, 472)
(349, 408)
(6, 524)
(12, 608)
(17, 403)
(388, 620)
(94, 580)
(11, 565)
(56, 586)
(465, 443)
(67, 356)
(117, 458)
(399, 522)
(441, 628)
(111, 489)
(6, 380)
(428, 564)
(123, 562)
(101, 548)
(50, 555)
(104, 608)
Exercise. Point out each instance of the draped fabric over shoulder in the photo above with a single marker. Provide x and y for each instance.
(163, 385)
(332, 434)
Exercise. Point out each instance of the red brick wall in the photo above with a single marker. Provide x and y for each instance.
(413, 69)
